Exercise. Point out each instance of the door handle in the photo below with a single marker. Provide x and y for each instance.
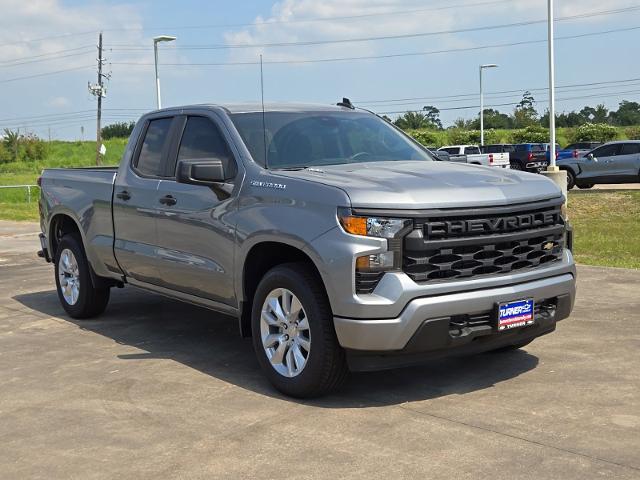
(168, 200)
(123, 195)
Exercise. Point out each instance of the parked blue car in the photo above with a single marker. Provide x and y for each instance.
(577, 150)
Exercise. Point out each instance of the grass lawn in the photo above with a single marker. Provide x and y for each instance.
(606, 227)
(19, 211)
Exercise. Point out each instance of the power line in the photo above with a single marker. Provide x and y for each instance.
(46, 59)
(392, 55)
(264, 23)
(327, 19)
(44, 74)
(594, 85)
(385, 37)
(467, 107)
(56, 52)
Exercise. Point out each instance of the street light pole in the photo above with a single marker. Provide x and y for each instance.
(482, 67)
(156, 40)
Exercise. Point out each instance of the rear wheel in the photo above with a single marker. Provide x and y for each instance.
(515, 165)
(571, 179)
(293, 334)
(76, 291)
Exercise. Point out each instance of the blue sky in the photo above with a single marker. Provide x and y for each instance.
(60, 103)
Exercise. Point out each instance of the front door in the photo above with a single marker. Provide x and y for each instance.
(600, 168)
(135, 202)
(195, 226)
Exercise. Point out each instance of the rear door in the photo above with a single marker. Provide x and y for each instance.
(627, 163)
(135, 201)
(195, 230)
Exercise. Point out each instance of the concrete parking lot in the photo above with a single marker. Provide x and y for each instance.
(158, 389)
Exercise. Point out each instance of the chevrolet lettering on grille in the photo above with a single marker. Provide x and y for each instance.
(479, 226)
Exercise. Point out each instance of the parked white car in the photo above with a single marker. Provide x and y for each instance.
(475, 156)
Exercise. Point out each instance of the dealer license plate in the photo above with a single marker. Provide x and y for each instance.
(515, 314)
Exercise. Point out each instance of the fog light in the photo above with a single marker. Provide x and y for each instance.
(378, 261)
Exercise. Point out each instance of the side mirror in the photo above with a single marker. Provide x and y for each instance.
(590, 156)
(204, 171)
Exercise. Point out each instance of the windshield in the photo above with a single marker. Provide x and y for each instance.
(305, 139)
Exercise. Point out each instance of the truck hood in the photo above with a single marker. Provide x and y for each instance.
(419, 185)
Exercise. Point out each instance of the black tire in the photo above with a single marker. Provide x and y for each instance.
(571, 179)
(515, 346)
(326, 367)
(515, 166)
(585, 186)
(91, 301)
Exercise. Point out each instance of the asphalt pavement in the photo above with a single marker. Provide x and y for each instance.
(158, 389)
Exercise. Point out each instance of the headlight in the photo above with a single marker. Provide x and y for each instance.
(369, 269)
(380, 227)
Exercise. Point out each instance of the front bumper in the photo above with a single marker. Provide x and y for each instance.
(424, 325)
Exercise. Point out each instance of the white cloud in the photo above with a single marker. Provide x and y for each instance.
(25, 22)
(275, 29)
(58, 102)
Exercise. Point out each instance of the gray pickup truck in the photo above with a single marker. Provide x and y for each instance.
(330, 235)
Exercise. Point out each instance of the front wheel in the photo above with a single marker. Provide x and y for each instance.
(77, 294)
(293, 334)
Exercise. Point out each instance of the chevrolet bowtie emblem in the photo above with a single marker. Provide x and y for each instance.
(548, 246)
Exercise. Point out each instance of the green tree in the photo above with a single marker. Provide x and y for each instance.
(412, 121)
(628, 113)
(599, 114)
(525, 113)
(432, 115)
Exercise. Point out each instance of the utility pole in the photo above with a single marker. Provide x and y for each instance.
(98, 90)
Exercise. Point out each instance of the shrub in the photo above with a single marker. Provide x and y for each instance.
(632, 133)
(5, 155)
(466, 137)
(118, 130)
(425, 137)
(33, 148)
(532, 134)
(594, 132)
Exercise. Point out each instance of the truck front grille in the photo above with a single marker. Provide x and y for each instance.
(450, 245)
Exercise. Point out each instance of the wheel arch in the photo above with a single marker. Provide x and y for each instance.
(260, 258)
(61, 224)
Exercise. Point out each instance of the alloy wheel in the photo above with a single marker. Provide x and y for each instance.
(285, 333)
(69, 276)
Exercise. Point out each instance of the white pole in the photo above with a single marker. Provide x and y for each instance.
(552, 89)
(155, 54)
(481, 111)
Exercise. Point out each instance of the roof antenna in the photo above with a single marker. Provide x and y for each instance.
(346, 103)
(264, 123)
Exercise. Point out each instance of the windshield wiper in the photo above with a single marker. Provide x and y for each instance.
(291, 169)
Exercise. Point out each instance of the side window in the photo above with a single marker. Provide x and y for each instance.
(202, 139)
(150, 158)
(630, 148)
(606, 151)
(451, 151)
(471, 150)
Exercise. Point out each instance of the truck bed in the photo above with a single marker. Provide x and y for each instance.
(86, 194)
